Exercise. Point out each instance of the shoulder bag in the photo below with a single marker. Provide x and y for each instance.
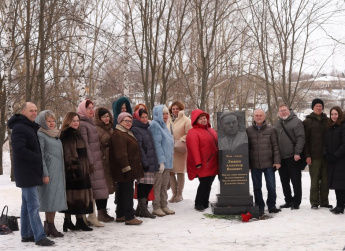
(301, 163)
(10, 221)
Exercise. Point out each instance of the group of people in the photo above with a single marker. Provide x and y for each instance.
(319, 140)
(95, 153)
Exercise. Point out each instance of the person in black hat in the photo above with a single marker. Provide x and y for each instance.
(315, 126)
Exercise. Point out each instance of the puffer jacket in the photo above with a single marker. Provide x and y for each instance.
(147, 148)
(294, 127)
(202, 146)
(27, 157)
(104, 134)
(162, 138)
(263, 146)
(315, 131)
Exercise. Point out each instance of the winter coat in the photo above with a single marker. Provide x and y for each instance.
(295, 128)
(315, 131)
(52, 196)
(263, 146)
(125, 160)
(27, 157)
(89, 133)
(202, 146)
(104, 134)
(78, 185)
(117, 107)
(180, 127)
(147, 148)
(335, 144)
(162, 138)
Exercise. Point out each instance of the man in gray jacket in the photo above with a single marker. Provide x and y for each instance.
(264, 158)
(290, 153)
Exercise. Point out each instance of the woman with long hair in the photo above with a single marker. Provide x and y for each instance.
(77, 173)
(334, 153)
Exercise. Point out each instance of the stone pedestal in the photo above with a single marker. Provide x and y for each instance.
(234, 197)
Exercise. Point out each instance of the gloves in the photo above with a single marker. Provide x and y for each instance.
(161, 167)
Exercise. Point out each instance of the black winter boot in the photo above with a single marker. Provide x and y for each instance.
(80, 225)
(143, 212)
(68, 224)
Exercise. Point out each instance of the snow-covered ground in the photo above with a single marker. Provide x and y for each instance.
(303, 229)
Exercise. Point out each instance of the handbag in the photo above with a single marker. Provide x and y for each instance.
(10, 221)
(301, 163)
(180, 146)
(149, 198)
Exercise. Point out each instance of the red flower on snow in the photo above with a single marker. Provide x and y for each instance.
(246, 217)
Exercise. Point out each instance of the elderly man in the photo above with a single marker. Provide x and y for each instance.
(290, 153)
(264, 158)
(28, 170)
(315, 127)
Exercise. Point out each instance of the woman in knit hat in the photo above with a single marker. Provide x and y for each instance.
(126, 166)
(104, 124)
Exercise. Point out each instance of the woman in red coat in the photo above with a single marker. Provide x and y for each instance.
(202, 159)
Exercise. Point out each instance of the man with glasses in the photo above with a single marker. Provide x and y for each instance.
(290, 153)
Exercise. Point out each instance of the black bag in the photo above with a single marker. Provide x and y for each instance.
(301, 163)
(10, 221)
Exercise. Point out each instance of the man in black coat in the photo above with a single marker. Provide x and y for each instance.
(28, 170)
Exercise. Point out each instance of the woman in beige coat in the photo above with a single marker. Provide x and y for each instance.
(180, 127)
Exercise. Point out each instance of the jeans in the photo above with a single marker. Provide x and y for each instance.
(270, 185)
(204, 190)
(288, 172)
(30, 221)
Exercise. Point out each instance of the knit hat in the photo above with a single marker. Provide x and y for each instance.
(317, 101)
(122, 115)
(102, 111)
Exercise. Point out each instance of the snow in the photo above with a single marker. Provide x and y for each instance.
(303, 229)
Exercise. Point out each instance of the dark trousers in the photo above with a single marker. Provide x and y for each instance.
(270, 185)
(101, 204)
(288, 172)
(340, 195)
(143, 190)
(318, 182)
(204, 190)
(125, 200)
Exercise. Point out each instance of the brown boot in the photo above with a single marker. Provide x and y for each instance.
(103, 216)
(180, 186)
(133, 222)
(173, 186)
(53, 232)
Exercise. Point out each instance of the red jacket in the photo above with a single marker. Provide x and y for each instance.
(202, 146)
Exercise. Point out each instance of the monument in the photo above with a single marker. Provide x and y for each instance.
(234, 197)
